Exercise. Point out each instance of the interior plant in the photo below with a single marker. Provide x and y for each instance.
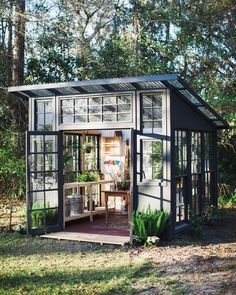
(87, 177)
(87, 147)
(37, 215)
(149, 225)
(123, 185)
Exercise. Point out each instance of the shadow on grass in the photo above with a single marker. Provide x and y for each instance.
(25, 246)
(121, 277)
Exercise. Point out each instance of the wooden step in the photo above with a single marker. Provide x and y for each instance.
(91, 238)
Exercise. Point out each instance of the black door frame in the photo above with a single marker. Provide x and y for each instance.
(59, 225)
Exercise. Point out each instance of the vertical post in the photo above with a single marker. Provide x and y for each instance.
(90, 202)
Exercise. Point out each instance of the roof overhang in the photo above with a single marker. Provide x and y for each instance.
(172, 81)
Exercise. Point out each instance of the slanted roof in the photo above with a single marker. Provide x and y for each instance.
(172, 81)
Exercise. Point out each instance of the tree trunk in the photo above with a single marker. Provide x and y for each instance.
(19, 43)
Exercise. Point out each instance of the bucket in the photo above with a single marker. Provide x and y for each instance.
(76, 204)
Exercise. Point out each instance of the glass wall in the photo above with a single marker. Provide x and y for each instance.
(152, 113)
(181, 174)
(208, 168)
(113, 108)
(44, 115)
(196, 172)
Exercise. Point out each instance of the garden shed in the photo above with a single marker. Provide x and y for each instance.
(98, 150)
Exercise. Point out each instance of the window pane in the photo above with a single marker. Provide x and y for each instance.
(39, 107)
(48, 106)
(67, 102)
(81, 111)
(147, 114)
(50, 143)
(157, 114)
(51, 217)
(50, 180)
(36, 181)
(124, 108)
(147, 101)
(51, 199)
(37, 200)
(67, 120)
(152, 113)
(40, 119)
(110, 109)
(124, 99)
(67, 111)
(37, 143)
(109, 118)
(80, 119)
(94, 110)
(48, 119)
(79, 102)
(124, 117)
(95, 118)
(157, 100)
(109, 100)
(152, 160)
(95, 101)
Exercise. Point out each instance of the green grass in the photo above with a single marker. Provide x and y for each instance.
(37, 266)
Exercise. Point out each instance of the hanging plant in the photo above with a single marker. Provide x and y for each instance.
(87, 147)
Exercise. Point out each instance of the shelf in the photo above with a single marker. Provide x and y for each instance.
(98, 210)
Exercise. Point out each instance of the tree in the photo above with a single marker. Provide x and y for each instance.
(19, 43)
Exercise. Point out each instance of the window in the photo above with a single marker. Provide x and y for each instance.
(180, 199)
(196, 185)
(208, 151)
(196, 152)
(180, 152)
(96, 109)
(152, 113)
(43, 115)
(152, 163)
(208, 168)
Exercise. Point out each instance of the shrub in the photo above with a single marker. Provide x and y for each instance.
(213, 215)
(149, 225)
(20, 229)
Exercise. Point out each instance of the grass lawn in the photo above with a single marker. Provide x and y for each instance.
(37, 266)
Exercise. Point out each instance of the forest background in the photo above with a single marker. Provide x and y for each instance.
(63, 40)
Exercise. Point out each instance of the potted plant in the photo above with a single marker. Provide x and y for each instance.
(87, 147)
(123, 185)
(87, 177)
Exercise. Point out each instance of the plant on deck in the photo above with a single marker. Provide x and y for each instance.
(87, 177)
(149, 225)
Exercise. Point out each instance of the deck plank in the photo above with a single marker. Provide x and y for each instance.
(91, 238)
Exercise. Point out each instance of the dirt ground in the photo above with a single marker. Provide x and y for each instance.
(188, 265)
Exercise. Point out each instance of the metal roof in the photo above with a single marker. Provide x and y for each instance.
(172, 81)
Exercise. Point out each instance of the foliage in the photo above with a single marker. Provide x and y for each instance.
(87, 176)
(123, 185)
(20, 229)
(196, 226)
(149, 223)
(38, 215)
(213, 215)
(157, 159)
(12, 169)
(230, 201)
(87, 147)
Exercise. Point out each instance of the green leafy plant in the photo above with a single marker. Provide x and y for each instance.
(87, 177)
(149, 224)
(228, 201)
(87, 147)
(123, 185)
(213, 215)
(20, 229)
(37, 215)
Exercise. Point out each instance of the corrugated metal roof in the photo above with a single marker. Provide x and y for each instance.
(172, 81)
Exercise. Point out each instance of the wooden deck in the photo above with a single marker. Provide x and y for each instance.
(86, 237)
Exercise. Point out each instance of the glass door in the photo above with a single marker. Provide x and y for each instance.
(44, 181)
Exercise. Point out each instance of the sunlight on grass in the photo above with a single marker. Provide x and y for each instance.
(32, 265)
